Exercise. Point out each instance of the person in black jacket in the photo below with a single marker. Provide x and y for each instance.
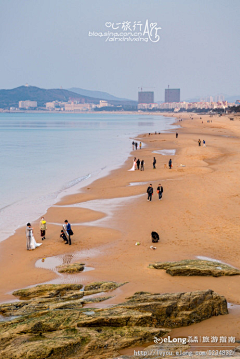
(160, 191)
(150, 192)
(154, 163)
(170, 163)
(138, 164)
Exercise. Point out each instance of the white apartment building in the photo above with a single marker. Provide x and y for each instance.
(78, 106)
(27, 104)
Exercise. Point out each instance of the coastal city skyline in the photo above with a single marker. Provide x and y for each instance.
(193, 46)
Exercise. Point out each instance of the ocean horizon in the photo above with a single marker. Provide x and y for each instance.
(45, 156)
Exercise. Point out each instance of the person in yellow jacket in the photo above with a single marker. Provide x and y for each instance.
(43, 228)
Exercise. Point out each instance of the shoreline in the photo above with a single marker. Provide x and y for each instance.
(196, 220)
(70, 185)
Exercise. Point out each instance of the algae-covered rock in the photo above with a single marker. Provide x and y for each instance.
(61, 328)
(71, 268)
(173, 310)
(46, 290)
(196, 267)
(103, 286)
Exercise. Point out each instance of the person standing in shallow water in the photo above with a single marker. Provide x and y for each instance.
(154, 163)
(140, 145)
(43, 228)
(133, 145)
(136, 145)
(150, 192)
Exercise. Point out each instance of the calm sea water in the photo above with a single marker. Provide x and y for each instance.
(46, 156)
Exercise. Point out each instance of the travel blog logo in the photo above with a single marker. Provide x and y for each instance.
(128, 31)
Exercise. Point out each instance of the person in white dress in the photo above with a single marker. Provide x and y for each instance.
(31, 243)
(134, 165)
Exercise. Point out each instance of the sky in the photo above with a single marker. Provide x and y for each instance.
(194, 46)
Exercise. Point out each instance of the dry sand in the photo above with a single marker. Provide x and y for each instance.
(198, 216)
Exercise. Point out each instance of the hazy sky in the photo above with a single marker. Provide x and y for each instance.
(46, 43)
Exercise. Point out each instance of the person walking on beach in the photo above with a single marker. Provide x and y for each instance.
(43, 228)
(150, 192)
(199, 142)
(176, 135)
(154, 163)
(140, 145)
(28, 235)
(133, 144)
(138, 164)
(204, 143)
(136, 145)
(170, 163)
(142, 165)
(160, 191)
(69, 231)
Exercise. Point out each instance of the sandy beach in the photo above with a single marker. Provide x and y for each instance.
(198, 216)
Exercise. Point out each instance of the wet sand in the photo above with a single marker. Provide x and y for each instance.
(198, 216)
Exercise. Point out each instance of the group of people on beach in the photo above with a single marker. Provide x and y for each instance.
(200, 143)
(66, 233)
(137, 164)
(135, 145)
(150, 192)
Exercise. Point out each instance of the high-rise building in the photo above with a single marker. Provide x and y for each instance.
(172, 95)
(145, 97)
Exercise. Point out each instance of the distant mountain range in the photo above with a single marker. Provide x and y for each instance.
(11, 98)
(97, 94)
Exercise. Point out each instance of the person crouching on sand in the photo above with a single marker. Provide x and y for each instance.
(43, 228)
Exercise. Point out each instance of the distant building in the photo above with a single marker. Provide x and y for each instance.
(50, 105)
(27, 104)
(145, 97)
(103, 103)
(172, 95)
(148, 106)
(78, 106)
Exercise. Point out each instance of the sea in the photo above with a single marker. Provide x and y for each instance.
(45, 156)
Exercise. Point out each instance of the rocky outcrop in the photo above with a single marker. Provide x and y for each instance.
(46, 290)
(59, 327)
(196, 267)
(71, 268)
(103, 286)
(173, 310)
